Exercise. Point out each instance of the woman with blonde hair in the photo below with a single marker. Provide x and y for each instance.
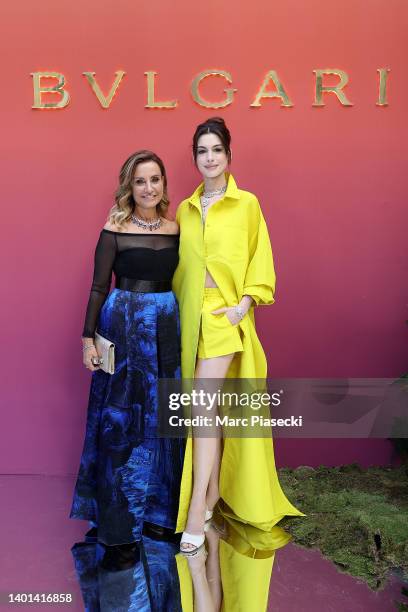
(128, 476)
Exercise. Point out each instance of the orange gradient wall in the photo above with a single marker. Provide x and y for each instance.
(331, 181)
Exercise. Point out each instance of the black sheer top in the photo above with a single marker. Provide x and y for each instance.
(141, 256)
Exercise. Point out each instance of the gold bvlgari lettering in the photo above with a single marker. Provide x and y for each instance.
(105, 101)
(336, 89)
(271, 87)
(57, 89)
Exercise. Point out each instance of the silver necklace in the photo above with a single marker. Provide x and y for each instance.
(208, 195)
(147, 225)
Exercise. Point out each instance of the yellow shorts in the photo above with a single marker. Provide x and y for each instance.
(217, 335)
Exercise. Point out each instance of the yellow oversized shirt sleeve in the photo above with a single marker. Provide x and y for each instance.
(260, 276)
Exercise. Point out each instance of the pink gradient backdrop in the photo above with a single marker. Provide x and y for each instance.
(332, 183)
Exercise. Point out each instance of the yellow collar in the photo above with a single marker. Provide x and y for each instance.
(232, 192)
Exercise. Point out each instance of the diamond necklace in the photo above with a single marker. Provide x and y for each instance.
(149, 225)
(207, 196)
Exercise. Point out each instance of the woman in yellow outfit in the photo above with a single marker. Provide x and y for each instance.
(225, 269)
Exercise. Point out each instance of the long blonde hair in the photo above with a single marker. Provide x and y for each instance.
(124, 206)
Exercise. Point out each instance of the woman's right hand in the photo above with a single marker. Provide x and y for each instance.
(89, 352)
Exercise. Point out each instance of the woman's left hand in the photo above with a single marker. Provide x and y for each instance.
(231, 314)
(235, 314)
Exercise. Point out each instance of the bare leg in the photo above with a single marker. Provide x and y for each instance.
(203, 601)
(213, 568)
(213, 491)
(206, 451)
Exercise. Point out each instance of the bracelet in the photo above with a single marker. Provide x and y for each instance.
(240, 312)
(88, 346)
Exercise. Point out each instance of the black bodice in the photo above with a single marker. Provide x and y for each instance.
(139, 256)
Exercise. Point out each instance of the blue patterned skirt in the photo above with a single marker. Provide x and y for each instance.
(127, 474)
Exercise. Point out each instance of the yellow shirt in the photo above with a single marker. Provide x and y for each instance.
(234, 246)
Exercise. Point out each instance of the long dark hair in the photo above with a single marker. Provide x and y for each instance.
(213, 125)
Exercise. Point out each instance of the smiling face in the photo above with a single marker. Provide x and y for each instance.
(147, 185)
(211, 159)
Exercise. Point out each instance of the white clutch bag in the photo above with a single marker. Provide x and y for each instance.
(106, 351)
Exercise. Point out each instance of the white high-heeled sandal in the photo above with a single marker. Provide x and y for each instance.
(196, 542)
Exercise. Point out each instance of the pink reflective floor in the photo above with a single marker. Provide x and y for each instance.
(36, 537)
(303, 580)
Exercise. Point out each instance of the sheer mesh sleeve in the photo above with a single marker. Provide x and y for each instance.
(105, 253)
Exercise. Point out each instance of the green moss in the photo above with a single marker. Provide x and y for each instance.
(357, 518)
